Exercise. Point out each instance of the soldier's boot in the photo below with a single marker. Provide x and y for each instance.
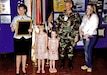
(70, 64)
(62, 63)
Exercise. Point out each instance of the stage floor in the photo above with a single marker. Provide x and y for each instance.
(7, 65)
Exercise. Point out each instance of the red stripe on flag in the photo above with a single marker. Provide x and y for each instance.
(38, 12)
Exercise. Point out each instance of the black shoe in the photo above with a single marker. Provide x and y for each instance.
(70, 64)
(62, 63)
(62, 66)
(24, 73)
(70, 67)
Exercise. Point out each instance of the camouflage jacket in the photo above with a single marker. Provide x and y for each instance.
(67, 25)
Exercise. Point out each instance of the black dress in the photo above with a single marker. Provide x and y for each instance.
(22, 46)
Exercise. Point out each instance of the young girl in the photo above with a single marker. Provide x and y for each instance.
(41, 47)
(53, 44)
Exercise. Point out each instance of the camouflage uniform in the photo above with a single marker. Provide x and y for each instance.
(67, 30)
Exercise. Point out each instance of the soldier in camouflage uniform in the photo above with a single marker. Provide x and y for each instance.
(67, 26)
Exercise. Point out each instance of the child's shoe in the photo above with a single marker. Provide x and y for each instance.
(55, 70)
(38, 71)
(50, 70)
(43, 71)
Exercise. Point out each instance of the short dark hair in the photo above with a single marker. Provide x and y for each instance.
(24, 6)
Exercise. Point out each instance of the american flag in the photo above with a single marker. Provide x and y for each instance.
(20, 2)
(38, 16)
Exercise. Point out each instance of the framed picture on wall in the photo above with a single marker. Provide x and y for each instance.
(105, 5)
(104, 17)
(101, 32)
(59, 5)
(56, 15)
(5, 19)
(81, 14)
(99, 4)
(23, 26)
(79, 5)
(4, 6)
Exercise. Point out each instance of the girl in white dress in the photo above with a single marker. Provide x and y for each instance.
(53, 44)
(41, 48)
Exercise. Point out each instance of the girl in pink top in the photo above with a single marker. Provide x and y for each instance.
(41, 48)
(53, 44)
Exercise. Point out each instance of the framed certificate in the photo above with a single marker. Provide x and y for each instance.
(101, 32)
(59, 5)
(23, 26)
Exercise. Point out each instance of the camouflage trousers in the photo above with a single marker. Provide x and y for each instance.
(66, 48)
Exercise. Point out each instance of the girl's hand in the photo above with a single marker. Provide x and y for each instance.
(53, 52)
(45, 51)
(36, 52)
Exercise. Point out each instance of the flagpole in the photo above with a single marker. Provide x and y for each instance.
(35, 30)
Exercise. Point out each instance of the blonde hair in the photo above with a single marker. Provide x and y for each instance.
(94, 8)
(69, 1)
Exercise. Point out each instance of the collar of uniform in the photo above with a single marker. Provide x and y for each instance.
(70, 12)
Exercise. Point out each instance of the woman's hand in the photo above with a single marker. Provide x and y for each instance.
(86, 36)
(13, 28)
(29, 30)
(58, 38)
(81, 33)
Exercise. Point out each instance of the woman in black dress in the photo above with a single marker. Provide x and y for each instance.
(22, 44)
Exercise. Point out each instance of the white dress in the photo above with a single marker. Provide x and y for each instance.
(41, 53)
(53, 45)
